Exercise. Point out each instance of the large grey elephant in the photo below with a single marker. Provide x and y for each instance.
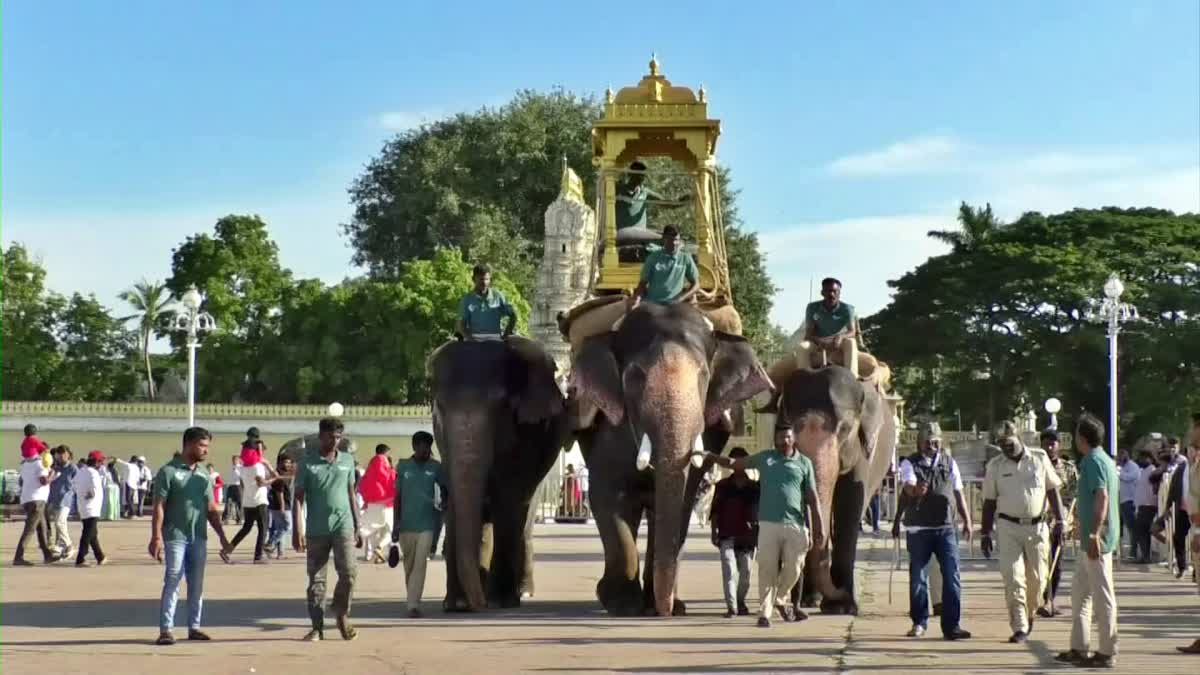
(499, 422)
(663, 382)
(859, 437)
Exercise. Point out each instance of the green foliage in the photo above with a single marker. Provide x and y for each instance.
(152, 304)
(1009, 317)
(97, 351)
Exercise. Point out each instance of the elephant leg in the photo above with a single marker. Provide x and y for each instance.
(456, 599)
(848, 497)
(508, 556)
(618, 519)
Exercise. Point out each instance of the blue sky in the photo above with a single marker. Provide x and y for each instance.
(851, 130)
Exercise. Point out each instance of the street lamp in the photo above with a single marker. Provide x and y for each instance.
(1114, 313)
(1052, 406)
(192, 322)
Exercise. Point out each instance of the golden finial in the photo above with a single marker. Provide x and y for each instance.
(608, 94)
(653, 64)
(703, 94)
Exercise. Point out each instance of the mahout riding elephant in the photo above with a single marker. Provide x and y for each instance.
(663, 383)
(857, 435)
(295, 448)
(499, 422)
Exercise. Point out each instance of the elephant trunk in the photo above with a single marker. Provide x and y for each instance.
(821, 446)
(469, 467)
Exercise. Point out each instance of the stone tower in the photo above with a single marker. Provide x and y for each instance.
(565, 273)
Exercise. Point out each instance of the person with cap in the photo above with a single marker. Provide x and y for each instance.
(787, 508)
(1092, 582)
(669, 274)
(932, 491)
(89, 487)
(1017, 484)
(1069, 477)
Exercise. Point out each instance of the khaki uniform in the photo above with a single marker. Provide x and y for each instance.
(1019, 490)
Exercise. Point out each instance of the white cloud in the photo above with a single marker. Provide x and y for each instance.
(403, 120)
(917, 155)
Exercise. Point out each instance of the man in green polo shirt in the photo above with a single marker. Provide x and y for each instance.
(830, 326)
(420, 496)
(325, 484)
(1099, 531)
(480, 311)
(633, 206)
(787, 508)
(184, 505)
(669, 274)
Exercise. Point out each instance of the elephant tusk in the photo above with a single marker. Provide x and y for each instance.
(643, 456)
(698, 451)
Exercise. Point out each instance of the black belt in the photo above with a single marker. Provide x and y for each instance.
(1021, 521)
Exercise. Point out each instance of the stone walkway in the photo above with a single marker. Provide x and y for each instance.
(59, 619)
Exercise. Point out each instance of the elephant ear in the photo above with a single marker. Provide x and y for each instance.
(532, 388)
(596, 378)
(737, 376)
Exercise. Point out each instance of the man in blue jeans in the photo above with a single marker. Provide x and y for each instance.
(183, 501)
(932, 490)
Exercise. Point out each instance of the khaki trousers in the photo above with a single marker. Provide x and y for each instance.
(1024, 557)
(849, 354)
(781, 551)
(1093, 583)
(415, 547)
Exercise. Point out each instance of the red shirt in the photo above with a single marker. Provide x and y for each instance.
(32, 446)
(378, 484)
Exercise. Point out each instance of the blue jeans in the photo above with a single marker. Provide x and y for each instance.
(941, 543)
(735, 574)
(184, 559)
(281, 525)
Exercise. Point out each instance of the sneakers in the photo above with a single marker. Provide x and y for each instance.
(957, 634)
(199, 635)
(1099, 660)
(165, 639)
(764, 622)
(743, 610)
(1072, 656)
(1018, 637)
(916, 631)
(313, 635)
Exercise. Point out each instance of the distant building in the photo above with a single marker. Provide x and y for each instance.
(567, 269)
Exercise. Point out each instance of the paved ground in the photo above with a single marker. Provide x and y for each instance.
(59, 619)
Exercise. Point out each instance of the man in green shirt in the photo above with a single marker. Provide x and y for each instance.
(831, 328)
(481, 310)
(786, 487)
(669, 274)
(184, 504)
(633, 202)
(420, 496)
(1099, 518)
(325, 484)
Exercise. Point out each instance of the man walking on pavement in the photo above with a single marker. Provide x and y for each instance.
(184, 507)
(1098, 539)
(62, 496)
(735, 532)
(1068, 476)
(1017, 484)
(420, 494)
(787, 506)
(325, 483)
(932, 490)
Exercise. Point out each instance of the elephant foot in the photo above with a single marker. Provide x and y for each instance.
(456, 606)
(620, 597)
(678, 608)
(507, 601)
(846, 606)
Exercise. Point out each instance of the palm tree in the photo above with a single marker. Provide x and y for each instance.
(976, 226)
(152, 302)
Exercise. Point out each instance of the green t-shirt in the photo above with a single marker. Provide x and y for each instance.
(631, 204)
(782, 481)
(1097, 470)
(414, 484)
(326, 485)
(829, 322)
(664, 274)
(186, 494)
(481, 314)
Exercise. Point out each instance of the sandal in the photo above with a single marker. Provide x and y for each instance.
(225, 556)
(165, 639)
(348, 632)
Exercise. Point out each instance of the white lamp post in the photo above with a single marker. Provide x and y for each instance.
(1114, 313)
(192, 322)
(1052, 406)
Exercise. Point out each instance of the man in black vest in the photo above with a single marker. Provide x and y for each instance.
(932, 490)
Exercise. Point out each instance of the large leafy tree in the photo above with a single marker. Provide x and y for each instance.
(237, 269)
(994, 328)
(976, 227)
(97, 350)
(481, 182)
(29, 352)
(151, 302)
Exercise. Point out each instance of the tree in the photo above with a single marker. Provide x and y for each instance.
(1008, 322)
(976, 227)
(29, 352)
(238, 271)
(97, 351)
(152, 303)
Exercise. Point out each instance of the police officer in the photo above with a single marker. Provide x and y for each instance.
(1016, 486)
(932, 492)
(1069, 475)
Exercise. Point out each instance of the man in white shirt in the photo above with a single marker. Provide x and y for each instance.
(256, 481)
(35, 490)
(131, 481)
(89, 490)
(1128, 475)
(583, 488)
(233, 493)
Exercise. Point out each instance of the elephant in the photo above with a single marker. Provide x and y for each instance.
(295, 448)
(662, 384)
(860, 436)
(499, 422)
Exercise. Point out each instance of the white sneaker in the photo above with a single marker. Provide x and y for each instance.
(916, 631)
